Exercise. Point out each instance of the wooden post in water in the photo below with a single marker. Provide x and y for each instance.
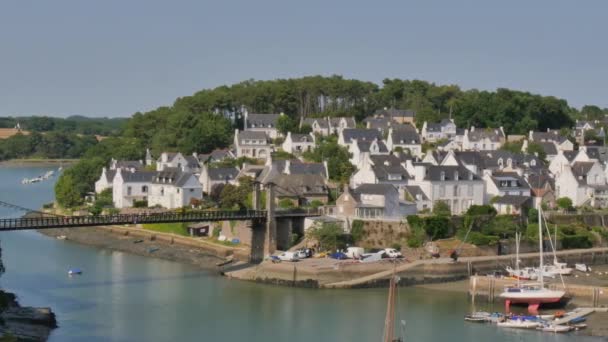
(389, 321)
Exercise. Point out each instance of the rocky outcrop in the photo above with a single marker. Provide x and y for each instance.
(24, 323)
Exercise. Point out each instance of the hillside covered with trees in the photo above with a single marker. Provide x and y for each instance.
(201, 122)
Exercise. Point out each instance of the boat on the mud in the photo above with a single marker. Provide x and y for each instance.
(582, 267)
(518, 324)
(555, 328)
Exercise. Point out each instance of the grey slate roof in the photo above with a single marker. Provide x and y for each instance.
(580, 171)
(307, 169)
(110, 175)
(192, 162)
(350, 121)
(433, 127)
(138, 176)
(262, 120)
(389, 159)
(375, 189)
(434, 173)
(129, 164)
(364, 146)
(570, 155)
(381, 123)
(549, 148)
(513, 200)
(223, 173)
(360, 134)
(479, 134)
(252, 135)
(299, 185)
(383, 172)
(295, 137)
(472, 158)
(548, 136)
(392, 112)
(405, 134)
(509, 180)
(322, 122)
(415, 191)
(172, 176)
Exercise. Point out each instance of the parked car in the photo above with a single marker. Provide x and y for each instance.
(392, 253)
(288, 256)
(338, 256)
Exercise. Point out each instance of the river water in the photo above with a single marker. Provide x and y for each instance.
(123, 297)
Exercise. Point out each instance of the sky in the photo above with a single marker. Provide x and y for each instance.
(117, 57)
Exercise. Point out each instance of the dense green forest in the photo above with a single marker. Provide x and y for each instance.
(199, 123)
(47, 145)
(72, 124)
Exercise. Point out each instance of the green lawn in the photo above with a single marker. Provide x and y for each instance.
(175, 228)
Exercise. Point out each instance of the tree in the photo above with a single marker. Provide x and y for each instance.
(441, 208)
(564, 203)
(592, 113)
(76, 181)
(286, 203)
(286, 124)
(327, 235)
(337, 157)
(537, 149)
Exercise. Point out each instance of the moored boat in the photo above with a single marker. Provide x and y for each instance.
(555, 328)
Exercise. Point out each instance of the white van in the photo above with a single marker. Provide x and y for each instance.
(354, 252)
(288, 256)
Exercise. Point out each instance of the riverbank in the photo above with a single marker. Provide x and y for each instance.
(114, 238)
(24, 323)
(36, 162)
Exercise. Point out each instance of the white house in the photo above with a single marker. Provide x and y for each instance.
(385, 170)
(446, 129)
(457, 186)
(498, 184)
(173, 188)
(105, 181)
(210, 177)
(358, 148)
(177, 160)
(130, 186)
(584, 183)
(483, 139)
(338, 124)
(251, 144)
(406, 137)
(373, 201)
(297, 143)
(318, 125)
(264, 123)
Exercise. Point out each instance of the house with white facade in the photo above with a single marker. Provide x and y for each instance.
(105, 181)
(405, 137)
(584, 183)
(174, 188)
(561, 143)
(251, 144)
(373, 201)
(169, 160)
(338, 124)
(298, 143)
(385, 169)
(264, 123)
(483, 139)
(347, 136)
(432, 132)
(359, 148)
(130, 186)
(510, 184)
(457, 186)
(319, 126)
(210, 177)
(400, 116)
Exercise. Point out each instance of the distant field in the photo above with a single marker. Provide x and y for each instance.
(175, 228)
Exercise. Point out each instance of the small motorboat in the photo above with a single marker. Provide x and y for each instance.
(475, 318)
(555, 328)
(74, 271)
(578, 326)
(138, 241)
(61, 237)
(518, 324)
(582, 267)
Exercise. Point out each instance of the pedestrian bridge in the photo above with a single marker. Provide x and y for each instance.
(49, 222)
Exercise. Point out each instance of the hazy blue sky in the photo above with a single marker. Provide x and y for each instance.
(116, 57)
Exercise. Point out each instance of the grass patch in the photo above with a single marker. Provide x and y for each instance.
(174, 228)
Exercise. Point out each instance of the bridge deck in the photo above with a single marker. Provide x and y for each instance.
(50, 222)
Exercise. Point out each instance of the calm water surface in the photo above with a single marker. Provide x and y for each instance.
(122, 297)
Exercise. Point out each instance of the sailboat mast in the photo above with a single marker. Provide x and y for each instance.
(517, 240)
(389, 321)
(540, 246)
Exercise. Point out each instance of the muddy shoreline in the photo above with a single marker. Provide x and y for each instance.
(106, 239)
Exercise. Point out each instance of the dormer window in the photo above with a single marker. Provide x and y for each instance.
(500, 162)
(533, 162)
(442, 175)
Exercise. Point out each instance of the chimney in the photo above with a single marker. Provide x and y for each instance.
(287, 169)
(419, 172)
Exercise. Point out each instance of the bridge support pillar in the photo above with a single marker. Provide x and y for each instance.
(256, 196)
(270, 241)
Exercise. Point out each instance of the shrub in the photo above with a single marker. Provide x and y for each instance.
(436, 227)
(140, 204)
(576, 241)
(357, 231)
(441, 208)
(286, 203)
(479, 239)
(564, 203)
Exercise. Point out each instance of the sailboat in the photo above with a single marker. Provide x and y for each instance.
(526, 273)
(533, 294)
(558, 268)
(389, 321)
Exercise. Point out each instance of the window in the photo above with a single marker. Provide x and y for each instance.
(456, 175)
(191, 190)
(455, 191)
(144, 189)
(442, 175)
(470, 191)
(442, 191)
(178, 190)
(162, 191)
(128, 191)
